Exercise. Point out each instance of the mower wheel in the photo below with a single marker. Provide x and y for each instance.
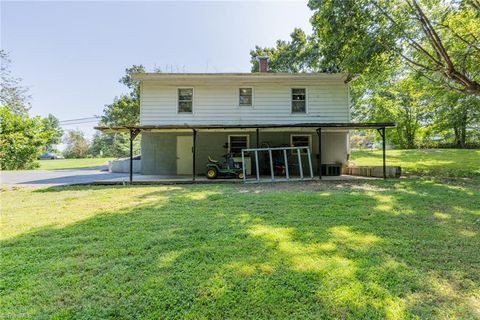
(212, 173)
(240, 175)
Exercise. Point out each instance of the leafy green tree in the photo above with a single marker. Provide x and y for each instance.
(52, 125)
(124, 111)
(457, 112)
(77, 145)
(395, 99)
(12, 94)
(112, 145)
(438, 39)
(300, 54)
(21, 140)
(412, 62)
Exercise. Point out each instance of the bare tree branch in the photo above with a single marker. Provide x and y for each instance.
(418, 64)
(409, 40)
(449, 69)
(433, 35)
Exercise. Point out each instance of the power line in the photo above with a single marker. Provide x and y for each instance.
(79, 119)
(81, 122)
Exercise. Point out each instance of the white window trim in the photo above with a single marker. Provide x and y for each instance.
(238, 97)
(178, 100)
(238, 135)
(301, 135)
(306, 101)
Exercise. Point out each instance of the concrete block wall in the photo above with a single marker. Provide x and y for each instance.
(159, 154)
(123, 165)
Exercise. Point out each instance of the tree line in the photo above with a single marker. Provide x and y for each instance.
(124, 110)
(416, 63)
(23, 138)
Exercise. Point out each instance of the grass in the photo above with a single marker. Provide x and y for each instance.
(390, 249)
(430, 162)
(72, 163)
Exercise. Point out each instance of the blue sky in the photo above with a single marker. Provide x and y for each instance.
(71, 54)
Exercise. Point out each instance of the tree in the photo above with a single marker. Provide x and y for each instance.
(438, 39)
(125, 110)
(52, 125)
(457, 112)
(12, 94)
(21, 140)
(300, 54)
(77, 145)
(112, 145)
(398, 99)
(411, 62)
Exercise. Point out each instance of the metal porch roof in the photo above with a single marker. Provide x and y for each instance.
(331, 125)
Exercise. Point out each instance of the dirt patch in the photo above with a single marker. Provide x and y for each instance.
(311, 186)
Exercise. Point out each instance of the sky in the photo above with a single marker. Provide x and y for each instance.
(72, 54)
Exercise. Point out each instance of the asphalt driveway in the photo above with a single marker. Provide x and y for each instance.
(57, 177)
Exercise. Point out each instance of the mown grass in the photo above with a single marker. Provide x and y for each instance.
(364, 250)
(72, 163)
(425, 162)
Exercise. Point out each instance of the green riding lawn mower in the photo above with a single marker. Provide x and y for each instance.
(229, 168)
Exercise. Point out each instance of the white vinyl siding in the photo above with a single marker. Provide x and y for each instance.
(219, 104)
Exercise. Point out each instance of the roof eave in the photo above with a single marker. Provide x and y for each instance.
(258, 76)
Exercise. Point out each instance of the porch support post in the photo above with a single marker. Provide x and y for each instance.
(382, 131)
(133, 135)
(131, 156)
(193, 153)
(257, 160)
(384, 155)
(319, 159)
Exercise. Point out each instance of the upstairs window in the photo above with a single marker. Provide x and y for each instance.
(300, 140)
(185, 100)
(299, 101)
(237, 143)
(245, 97)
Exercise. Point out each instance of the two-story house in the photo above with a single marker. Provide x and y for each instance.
(185, 117)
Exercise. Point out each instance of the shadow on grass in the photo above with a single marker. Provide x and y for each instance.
(410, 249)
(85, 187)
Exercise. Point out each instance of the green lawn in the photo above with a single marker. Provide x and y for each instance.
(431, 162)
(391, 249)
(72, 163)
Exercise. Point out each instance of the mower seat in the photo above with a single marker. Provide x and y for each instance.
(211, 160)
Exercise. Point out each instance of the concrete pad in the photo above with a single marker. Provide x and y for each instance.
(56, 177)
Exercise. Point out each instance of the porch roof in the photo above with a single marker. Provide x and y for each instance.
(324, 125)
